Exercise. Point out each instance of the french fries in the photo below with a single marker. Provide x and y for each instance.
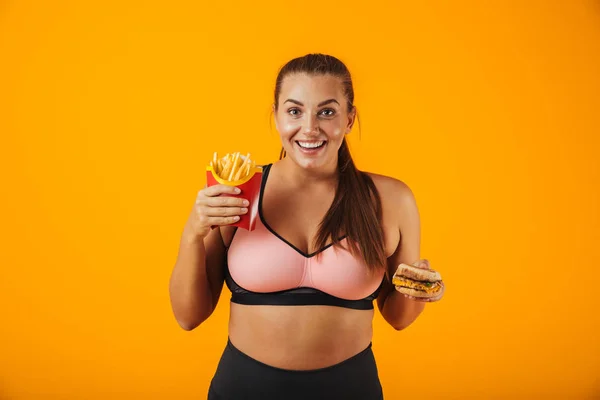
(232, 167)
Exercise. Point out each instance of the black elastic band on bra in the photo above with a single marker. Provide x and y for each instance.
(302, 296)
(299, 299)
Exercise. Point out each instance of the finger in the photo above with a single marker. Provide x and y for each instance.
(425, 299)
(216, 190)
(422, 299)
(435, 298)
(223, 220)
(225, 211)
(408, 296)
(421, 264)
(225, 201)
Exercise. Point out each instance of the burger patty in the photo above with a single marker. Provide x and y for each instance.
(427, 287)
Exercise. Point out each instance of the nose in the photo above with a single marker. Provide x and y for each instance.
(312, 125)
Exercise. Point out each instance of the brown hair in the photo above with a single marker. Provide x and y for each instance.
(356, 208)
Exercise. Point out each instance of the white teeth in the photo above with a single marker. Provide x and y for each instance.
(310, 145)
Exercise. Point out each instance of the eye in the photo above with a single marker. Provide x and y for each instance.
(294, 112)
(328, 112)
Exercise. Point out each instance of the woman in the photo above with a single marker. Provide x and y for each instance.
(328, 239)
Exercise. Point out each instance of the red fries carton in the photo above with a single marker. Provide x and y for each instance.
(239, 171)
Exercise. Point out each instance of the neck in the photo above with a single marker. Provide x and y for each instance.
(326, 174)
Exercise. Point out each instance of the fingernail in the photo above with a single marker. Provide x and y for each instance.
(236, 218)
(244, 210)
(237, 190)
(245, 202)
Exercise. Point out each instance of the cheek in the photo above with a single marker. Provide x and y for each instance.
(333, 129)
(288, 127)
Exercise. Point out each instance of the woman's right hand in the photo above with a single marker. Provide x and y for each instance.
(211, 209)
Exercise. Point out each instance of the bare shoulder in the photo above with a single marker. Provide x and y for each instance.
(397, 200)
(401, 215)
(391, 189)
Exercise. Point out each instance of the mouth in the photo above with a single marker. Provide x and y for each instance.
(311, 146)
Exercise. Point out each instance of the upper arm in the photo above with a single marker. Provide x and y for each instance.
(409, 225)
(401, 210)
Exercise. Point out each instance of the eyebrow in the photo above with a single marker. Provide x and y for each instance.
(318, 105)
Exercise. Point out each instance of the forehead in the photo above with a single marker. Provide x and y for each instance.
(307, 88)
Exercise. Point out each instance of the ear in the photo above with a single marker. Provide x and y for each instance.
(351, 119)
(275, 117)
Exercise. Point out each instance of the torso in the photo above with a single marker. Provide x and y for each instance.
(302, 337)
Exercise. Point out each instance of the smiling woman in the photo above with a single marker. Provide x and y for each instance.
(326, 243)
(314, 88)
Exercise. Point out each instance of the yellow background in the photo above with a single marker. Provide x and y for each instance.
(109, 112)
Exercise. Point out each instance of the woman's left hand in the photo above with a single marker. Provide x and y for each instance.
(423, 263)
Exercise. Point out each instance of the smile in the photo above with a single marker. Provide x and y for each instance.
(310, 145)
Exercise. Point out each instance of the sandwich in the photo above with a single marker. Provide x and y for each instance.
(419, 283)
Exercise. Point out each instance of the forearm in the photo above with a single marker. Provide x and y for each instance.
(189, 288)
(401, 311)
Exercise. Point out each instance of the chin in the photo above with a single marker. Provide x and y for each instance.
(309, 163)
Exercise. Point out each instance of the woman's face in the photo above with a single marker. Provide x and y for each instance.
(312, 119)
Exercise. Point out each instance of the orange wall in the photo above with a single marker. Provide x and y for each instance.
(110, 111)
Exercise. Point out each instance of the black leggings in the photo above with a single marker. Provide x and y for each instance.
(240, 377)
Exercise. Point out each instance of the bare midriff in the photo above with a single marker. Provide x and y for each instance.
(300, 337)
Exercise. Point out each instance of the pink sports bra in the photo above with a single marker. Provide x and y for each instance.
(265, 269)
